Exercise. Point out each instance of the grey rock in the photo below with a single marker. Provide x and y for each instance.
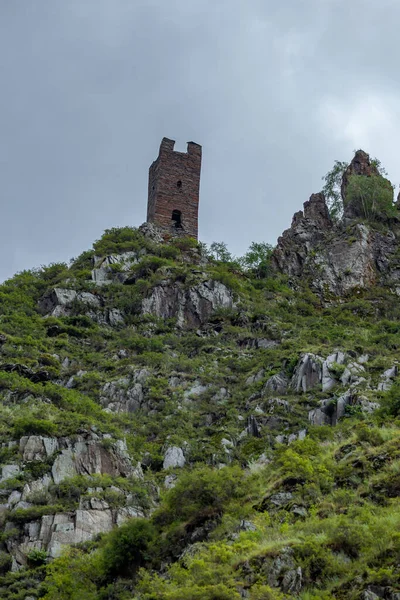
(9, 472)
(191, 307)
(59, 301)
(307, 374)
(247, 526)
(195, 390)
(227, 444)
(330, 411)
(36, 447)
(14, 498)
(253, 427)
(256, 377)
(87, 457)
(126, 394)
(337, 257)
(265, 344)
(328, 379)
(170, 481)
(115, 317)
(353, 374)
(387, 378)
(370, 595)
(281, 499)
(174, 458)
(277, 384)
(284, 573)
(39, 486)
(275, 404)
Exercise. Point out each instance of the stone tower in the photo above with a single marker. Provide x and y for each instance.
(174, 184)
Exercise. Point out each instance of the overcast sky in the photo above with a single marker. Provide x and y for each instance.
(274, 91)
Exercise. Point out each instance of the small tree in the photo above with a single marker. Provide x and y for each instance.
(332, 189)
(219, 251)
(257, 258)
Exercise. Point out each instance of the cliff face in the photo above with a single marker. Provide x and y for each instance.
(338, 257)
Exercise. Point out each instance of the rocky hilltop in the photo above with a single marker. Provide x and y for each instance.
(351, 253)
(175, 426)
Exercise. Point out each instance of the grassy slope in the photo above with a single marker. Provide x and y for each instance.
(344, 480)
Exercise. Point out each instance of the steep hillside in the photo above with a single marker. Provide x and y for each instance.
(179, 427)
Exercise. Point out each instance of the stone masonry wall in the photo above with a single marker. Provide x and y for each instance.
(174, 185)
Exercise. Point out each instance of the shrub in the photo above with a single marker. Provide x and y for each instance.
(5, 562)
(36, 557)
(127, 548)
(29, 425)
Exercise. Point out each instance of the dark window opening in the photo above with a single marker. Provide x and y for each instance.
(177, 219)
(179, 184)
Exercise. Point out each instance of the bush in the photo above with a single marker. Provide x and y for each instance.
(5, 562)
(127, 548)
(36, 557)
(28, 425)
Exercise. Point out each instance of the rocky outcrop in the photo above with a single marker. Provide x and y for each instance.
(60, 302)
(307, 230)
(387, 378)
(126, 394)
(52, 533)
(115, 267)
(307, 374)
(361, 165)
(280, 571)
(338, 257)
(87, 457)
(277, 384)
(331, 410)
(191, 306)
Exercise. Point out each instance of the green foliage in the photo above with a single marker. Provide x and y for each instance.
(220, 528)
(373, 195)
(332, 188)
(219, 251)
(127, 548)
(36, 557)
(257, 259)
(119, 239)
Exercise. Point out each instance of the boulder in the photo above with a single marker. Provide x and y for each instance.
(174, 458)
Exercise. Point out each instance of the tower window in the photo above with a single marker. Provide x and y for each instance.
(179, 184)
(177, 219)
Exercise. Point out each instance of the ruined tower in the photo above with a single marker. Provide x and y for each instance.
(174, 184)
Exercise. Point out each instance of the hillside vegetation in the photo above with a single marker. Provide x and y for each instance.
(179, 425)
